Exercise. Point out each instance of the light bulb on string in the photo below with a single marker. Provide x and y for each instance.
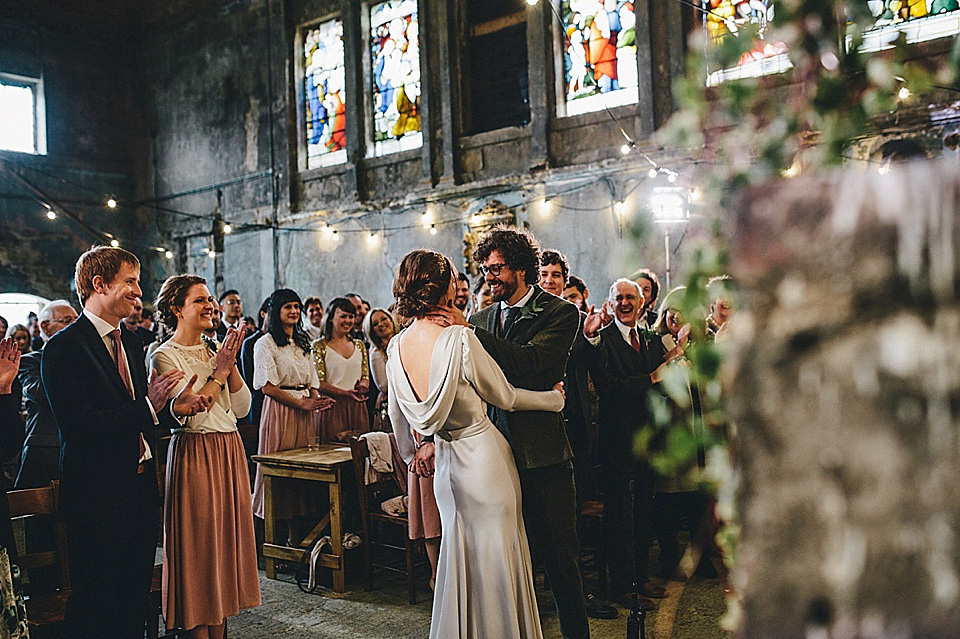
(546, 207)
(625, 149)
(111, 203)
(903, 93)
(168, 255)
(433, 229)
(228, 229)
(532, 2)
(114, 243)
(51, 215)
(671, 177)
(373, 239)
(652, 173)
(335, 235)
(212, 254)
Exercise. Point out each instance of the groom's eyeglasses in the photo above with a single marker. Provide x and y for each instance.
(492, 269)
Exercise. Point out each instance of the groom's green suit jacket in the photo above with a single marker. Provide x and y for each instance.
(533, 355)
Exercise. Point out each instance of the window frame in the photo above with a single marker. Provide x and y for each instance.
(35, 84)
(300, 93)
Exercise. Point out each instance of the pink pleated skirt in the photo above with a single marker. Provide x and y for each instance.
(423, 516)
(285, 428)
(346, 414)
(209, 549)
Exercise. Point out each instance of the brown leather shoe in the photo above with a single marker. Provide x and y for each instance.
(626, 601)
(652, 590)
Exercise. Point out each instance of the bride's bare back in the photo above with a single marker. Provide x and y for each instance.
(416, 351)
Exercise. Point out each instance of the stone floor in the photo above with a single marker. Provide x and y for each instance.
(692, 610)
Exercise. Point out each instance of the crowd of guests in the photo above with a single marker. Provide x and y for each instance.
(100, 383)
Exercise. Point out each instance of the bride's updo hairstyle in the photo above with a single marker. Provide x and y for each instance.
(423, 278)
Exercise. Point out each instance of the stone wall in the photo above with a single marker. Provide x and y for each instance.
(846, 397)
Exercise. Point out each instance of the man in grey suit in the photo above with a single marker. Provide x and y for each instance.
(529, 333)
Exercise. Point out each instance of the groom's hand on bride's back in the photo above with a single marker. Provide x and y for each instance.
(447, 316)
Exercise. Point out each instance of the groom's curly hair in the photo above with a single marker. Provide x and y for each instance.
(519, 249)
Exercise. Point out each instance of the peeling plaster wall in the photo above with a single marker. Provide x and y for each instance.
(90, 149)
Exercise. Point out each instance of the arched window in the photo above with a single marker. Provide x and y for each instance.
(14, 307)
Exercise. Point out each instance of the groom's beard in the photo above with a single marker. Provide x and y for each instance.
(505, 290)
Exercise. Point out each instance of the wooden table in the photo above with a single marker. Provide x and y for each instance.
(324, 464)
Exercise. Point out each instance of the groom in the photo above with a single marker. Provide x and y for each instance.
(529, 333)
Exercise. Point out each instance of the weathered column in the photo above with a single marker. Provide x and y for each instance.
(846, 397)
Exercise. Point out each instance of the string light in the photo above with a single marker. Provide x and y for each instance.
(652, 173)
(546, 207)
(227, 229)
(51, 215)
(373, 239)
(625, 149)
(212, 254)
(433, 229)
(620, 207)
(114, 243)
(903, 93)
(168, 254)
(111, 203)
(335, 235)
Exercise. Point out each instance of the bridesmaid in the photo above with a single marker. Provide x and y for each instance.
(343, 372)
(283, 369)
(210, 555)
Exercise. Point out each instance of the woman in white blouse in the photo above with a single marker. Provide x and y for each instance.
(344, 373)
(379, 328)
(283, 369)
(210, 556)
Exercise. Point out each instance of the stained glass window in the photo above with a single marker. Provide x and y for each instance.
(600, 54)
(918, 20)
(723, 18)
(395, 53)
(325, 94)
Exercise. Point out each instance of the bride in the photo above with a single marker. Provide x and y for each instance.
(439, 381)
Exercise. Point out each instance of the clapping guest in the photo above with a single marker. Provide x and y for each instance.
(108, 413)
(283, 368)
(210, 556)
(11, 436)
(4, 325)
(344, 373)
(719, 293)
(40, 461)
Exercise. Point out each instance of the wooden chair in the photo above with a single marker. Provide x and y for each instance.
(371, 496)
(39, 506)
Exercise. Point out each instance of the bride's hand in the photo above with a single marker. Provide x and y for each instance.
(559, 388)
(423, 460)
(447, 316)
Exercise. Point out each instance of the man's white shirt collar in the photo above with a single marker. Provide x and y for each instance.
(523, 300)
(103, 327)
(625, 330)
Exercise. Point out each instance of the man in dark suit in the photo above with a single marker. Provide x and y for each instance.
(529, 332)
(231, 307)
(40, 461)
(246, 365)
(624, 363)
(96, 382)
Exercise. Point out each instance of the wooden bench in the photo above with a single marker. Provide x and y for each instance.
(38, 507)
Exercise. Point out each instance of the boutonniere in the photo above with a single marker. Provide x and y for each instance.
(532, 309)
(210, 342)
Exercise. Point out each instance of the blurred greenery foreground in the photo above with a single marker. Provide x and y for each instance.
(744, 132)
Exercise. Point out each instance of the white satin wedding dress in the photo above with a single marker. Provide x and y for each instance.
(484, 586)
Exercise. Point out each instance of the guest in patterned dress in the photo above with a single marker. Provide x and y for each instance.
(343, 372)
